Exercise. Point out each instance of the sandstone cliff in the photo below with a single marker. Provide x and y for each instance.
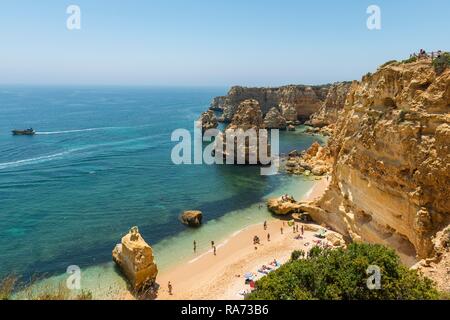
(391, 168)
(333, 104)
(295, 102)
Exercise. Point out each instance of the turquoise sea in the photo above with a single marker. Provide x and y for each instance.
(100, 163)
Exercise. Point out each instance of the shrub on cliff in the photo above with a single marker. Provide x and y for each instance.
(341, 274)
(410, 60)
(388, 63)
(442, 62)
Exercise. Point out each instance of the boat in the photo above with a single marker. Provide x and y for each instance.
(26, 132)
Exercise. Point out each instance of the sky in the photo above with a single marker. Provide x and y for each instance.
(211, 42)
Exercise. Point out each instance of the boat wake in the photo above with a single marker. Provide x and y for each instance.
(61, 155)
(32, 160)
(76, 130)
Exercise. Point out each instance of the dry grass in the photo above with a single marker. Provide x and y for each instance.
(10, 284)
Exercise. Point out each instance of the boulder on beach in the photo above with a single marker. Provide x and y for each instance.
(283, 205)
(192, 218)
(135, 259)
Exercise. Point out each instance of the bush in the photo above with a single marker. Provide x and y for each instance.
(388, 63)
(410, 60)
(297, 254)
(441, 63)
(341, 274)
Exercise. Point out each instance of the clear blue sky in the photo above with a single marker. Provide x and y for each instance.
(211, 42)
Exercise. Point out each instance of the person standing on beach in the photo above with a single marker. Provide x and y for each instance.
(169, 286)
(212, 244)
(215, 250)
(281, 230)
(303, 230)
(265, 225)
(195, 246)
(268, 237)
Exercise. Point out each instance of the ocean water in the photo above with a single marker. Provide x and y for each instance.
(100, 163)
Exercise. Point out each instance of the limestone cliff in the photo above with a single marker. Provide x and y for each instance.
(391, 167)
(295, 102)
(333, 104)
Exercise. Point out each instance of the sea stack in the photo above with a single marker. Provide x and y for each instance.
(248, 118)
(135, 258)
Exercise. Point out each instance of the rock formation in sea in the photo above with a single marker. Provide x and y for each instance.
(192, 218)
(247, 118)
(274, 120)
(295, 102)
(208, 120)
(135, 258)
(391, 168)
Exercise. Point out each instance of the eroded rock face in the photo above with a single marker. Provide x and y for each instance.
(295, 101)
(274, 120)
(192, 218)
(316, 160)
(333, 104)
(208, 120)
(135, 258)
(248, 118)
(391, 170)
(438, 267)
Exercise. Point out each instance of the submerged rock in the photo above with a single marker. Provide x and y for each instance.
(135, 258)
(192, 218)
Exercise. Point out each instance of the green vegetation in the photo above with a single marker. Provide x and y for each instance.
(441, 63)
(297, 254)
(410, 60)
(388, 63)
(9, 284)
(341, 274)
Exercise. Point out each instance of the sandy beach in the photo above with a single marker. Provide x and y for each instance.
(221, 276)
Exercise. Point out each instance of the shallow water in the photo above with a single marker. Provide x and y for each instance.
(100, 163)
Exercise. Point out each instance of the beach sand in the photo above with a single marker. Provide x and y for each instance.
(209, 276)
